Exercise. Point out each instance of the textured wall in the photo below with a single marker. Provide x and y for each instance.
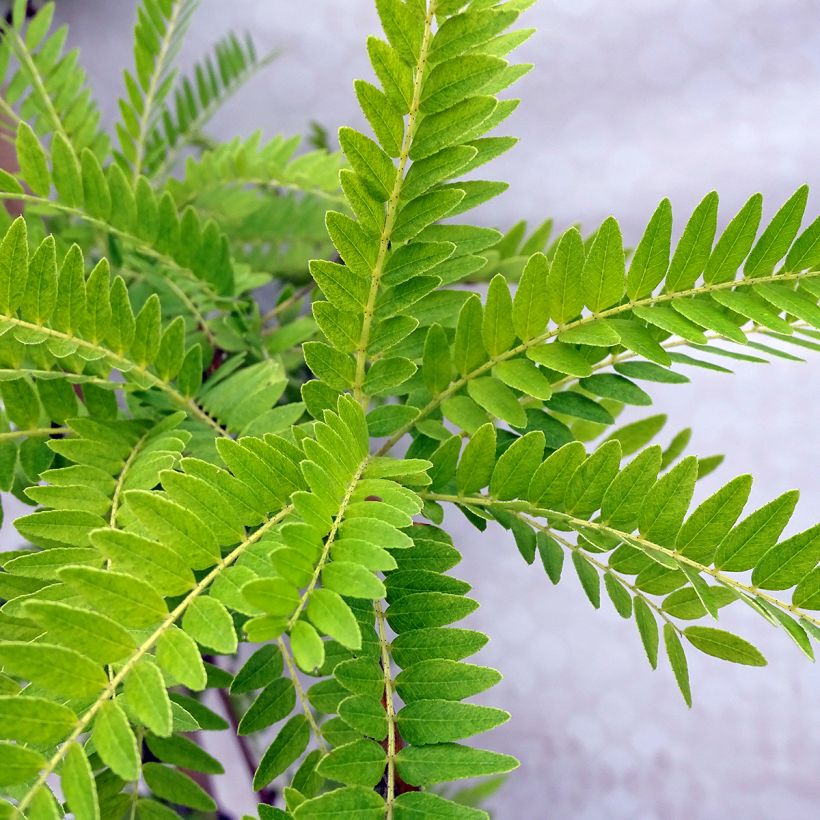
(629, 102)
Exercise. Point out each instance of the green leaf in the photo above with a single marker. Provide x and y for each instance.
(436, 643)
(776, 240)
(146, 697)
(77, 781)
(288, 746)
(604, 273)
(263, 667)
(686, 604)
(89, 633)
(666, 503)
(804, 252)
(18, 764)
(651, 257)
(437, 367)
(395, 76)
(417, 214)
(618, 594)
(308, 648)
(131, 602)
(427, 765)
(428, 609)
(677, 660)
(34, 720)
(180, 751)
(32, 159)
(613, 386)
(531, 301)
(352, 580)
(746, 544)
(175, 787)
(548, 486)
(360, 763)
(41, 285)
(369, 161)
(388, 373)
(807, 593)
(275, 702)
(694, 247)
(441, 130)
(468, 348)
(208, 622)
(95, 188)
(788, 562)
(565, 296)
(175, 526)
(590, 480)
(178, 656)
(724, 645)
(735, 243)
(54, 668)
(497, 399)
(438, 679)
(143, 558)
(13, 266)
(523, 375)
(552, 556)
(477, 461)
(623, 498)
(702, 311)
(589, 578)
(403, 27)
(451, 81)
(497, 329)
(511, 475)
(351, 801)
(330, 614)
(712, 520)
(115, 742)
(648, 630)
(436, 721)
(561, 357)
(384, 119)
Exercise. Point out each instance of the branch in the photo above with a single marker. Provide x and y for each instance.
(548, 335)
(146, 646)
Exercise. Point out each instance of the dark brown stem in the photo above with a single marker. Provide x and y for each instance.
(267, 795)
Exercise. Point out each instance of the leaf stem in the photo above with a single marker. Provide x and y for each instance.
(301, 695)
(389, 708)
(393, 204)
(720, 577)
(649, 301)
(146, 646)
(153, 88)
(125, 366)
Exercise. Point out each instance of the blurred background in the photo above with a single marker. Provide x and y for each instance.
(628, 102)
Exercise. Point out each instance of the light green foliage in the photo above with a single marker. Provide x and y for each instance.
(215, 482)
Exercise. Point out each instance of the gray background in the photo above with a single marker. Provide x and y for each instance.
(629, 102)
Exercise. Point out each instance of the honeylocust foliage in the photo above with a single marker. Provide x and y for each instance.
(249, 501)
